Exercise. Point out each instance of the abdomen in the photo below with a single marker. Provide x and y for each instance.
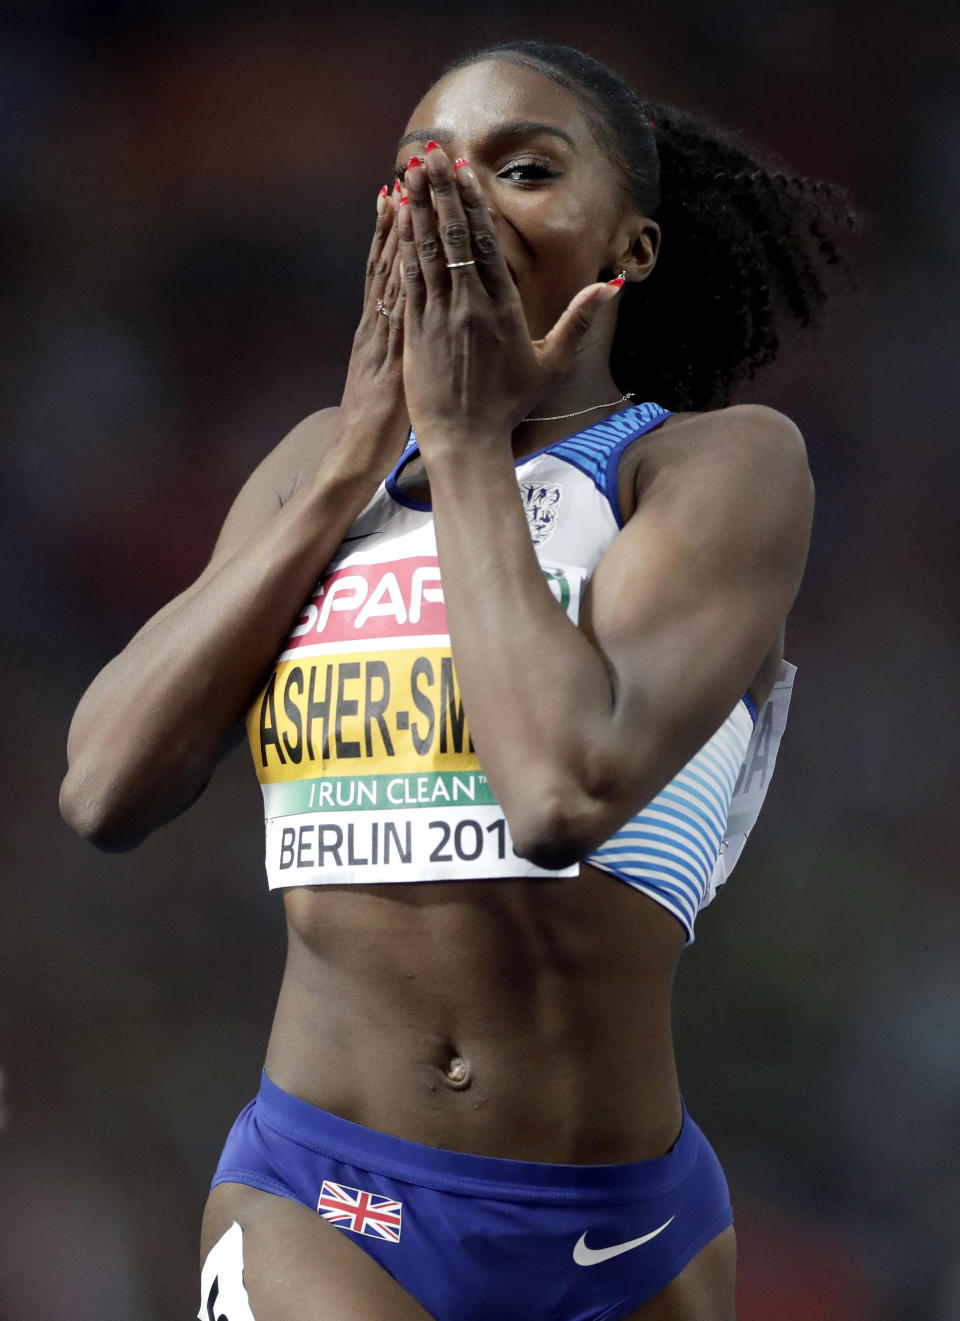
(519, 1018)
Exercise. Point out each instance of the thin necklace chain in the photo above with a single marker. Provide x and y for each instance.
(560, 417)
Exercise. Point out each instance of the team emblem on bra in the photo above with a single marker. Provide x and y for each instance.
(541, 501)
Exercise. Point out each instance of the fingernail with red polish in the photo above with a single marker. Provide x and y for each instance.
(617, 283)
(431, 146)
(404, 201)
(460, 162)
(396, 185)
(414, 160)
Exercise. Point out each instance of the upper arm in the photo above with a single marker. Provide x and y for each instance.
(273, 481)
(264, 492)
(261, 496)
(686, 603)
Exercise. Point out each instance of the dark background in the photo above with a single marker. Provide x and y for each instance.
(186, 196)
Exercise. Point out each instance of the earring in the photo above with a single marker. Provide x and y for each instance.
(622, 275)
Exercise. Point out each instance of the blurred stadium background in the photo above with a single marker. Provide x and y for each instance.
(186, 195)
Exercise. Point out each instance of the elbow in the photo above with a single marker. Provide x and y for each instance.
(91, 815)
(551, 852)
(563, 817)
(556, 830)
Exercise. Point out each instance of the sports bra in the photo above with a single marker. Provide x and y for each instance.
(359, 736)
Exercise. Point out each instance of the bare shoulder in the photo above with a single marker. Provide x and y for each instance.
(755, 432)
(742, 434)
(276, 478)
(263, 494)
(729, 454)
(299, 454)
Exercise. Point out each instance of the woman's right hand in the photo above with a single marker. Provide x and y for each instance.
(373, 406)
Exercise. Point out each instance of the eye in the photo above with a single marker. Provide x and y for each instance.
(527, 171)
(523, 171)
(401, 170)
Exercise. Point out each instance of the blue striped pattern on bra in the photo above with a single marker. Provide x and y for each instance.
(596, 451)
(669, 849)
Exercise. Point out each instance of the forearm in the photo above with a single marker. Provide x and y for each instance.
(149, 731)
(578, 727)
(539, 696)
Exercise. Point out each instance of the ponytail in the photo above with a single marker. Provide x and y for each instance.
(747, 247)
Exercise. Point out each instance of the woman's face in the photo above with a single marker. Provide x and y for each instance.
(558, 204)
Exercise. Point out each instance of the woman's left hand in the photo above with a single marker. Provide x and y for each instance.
(469, 366)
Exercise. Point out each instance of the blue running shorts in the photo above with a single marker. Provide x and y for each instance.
(475, 1237)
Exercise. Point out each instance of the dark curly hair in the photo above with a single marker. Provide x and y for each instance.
(746, 244)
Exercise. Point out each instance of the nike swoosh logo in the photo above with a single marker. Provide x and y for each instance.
(585, 1256)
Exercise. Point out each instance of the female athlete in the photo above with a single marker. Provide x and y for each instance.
(469, 1108)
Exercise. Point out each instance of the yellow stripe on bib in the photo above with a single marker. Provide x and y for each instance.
(361, 713)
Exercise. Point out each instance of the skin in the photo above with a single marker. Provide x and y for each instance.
(555, 995)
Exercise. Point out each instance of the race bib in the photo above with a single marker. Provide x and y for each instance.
(361, 743)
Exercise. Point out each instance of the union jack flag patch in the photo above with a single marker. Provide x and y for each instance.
(360, 1211)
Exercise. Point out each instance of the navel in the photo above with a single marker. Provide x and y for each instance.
(458, 1073)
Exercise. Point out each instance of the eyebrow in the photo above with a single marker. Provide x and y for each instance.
(514, 128)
